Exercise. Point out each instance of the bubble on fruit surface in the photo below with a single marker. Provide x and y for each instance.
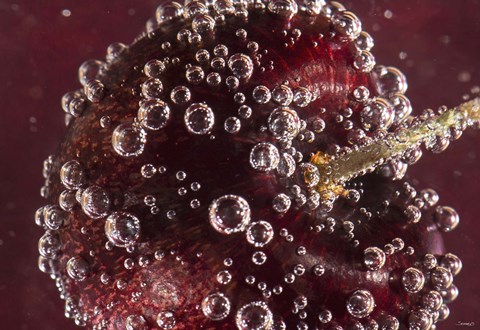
(401, 106)
(390, 322)
(168, 11)
(281, 203)
(241, 65)
(390, 81)
(413, 280)
(122, 228)
(49, 245)
(364, 41)
(229, 214)
(264, 157)
(347, 24)
(432, 301)
(377, 115)
(446, 218)
(302, 97)
(325, 316)
(166, 320)
(308, 174)
(420, 320)
(261, 94)
(72, 174)
(95, 202)
(180, 95)
(360, 304)
(152, 88)
(153, 114)
(364, 62)
(282, 95)
(148, 171)
(259, 233)
(216, 306)
(199, 119)
(203, 23)
(90, 70)
(441, 278)
(254, 316)
(284, 123)
(78, 268)
(373, 258)
(154, 68)
(232, 125)
(136, 322)
(67, 200)
(452, 263)
(129, 140)
(54, 217)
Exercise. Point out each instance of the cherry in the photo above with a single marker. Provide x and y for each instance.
(195, 186)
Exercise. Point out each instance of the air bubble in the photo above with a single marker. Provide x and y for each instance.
(284, 123)
(90, 70)
(128, 140)
(360, 304)
(199, 118)
(241, 65)
(419, 320)
(413, 280)
(259, 233)
(281, 203)
(195, 75)
(154, 68)
(136, 322)
(232, 125)
(364, 62)
(49, 245)
(229, 214)
(168, 11)
(286, 8)
(254, 316)
(452, 263)
(166, 320)
(77, 268)
(216, 306)
(153, 114)
(261, 94)
(347, 24)
(446, 218)
(152, 88)
(377, 115)
(203, 23)
(264, 157)
(122, 228)
(180, 95)
(373, 258)
(95, 202)
(441, 278)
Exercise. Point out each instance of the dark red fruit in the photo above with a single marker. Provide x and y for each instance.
(183, 196)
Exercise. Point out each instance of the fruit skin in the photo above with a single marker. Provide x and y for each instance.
(82, 134)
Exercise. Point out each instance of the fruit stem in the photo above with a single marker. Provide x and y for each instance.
(335, 171)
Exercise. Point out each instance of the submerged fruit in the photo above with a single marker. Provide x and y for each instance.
(196, 184)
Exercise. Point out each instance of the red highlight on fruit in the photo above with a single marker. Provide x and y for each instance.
(241, 166)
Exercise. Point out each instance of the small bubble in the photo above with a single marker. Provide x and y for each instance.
(122, 228)
(128, 140)
(264, 157)
(413, 280)
(180, 95)
(259, 233)
(446, 218)
(95, 202)
(373, 258)
(199, 118)
(154, 68)
(77, 268)
(232, 125)
(261, 94)
(241, 65)
(166, 320)
(255, 315)
(229, 214)
(216, 306)
(136, 322)
(360, 304)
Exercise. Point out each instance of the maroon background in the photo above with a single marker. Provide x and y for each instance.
(41, 49)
